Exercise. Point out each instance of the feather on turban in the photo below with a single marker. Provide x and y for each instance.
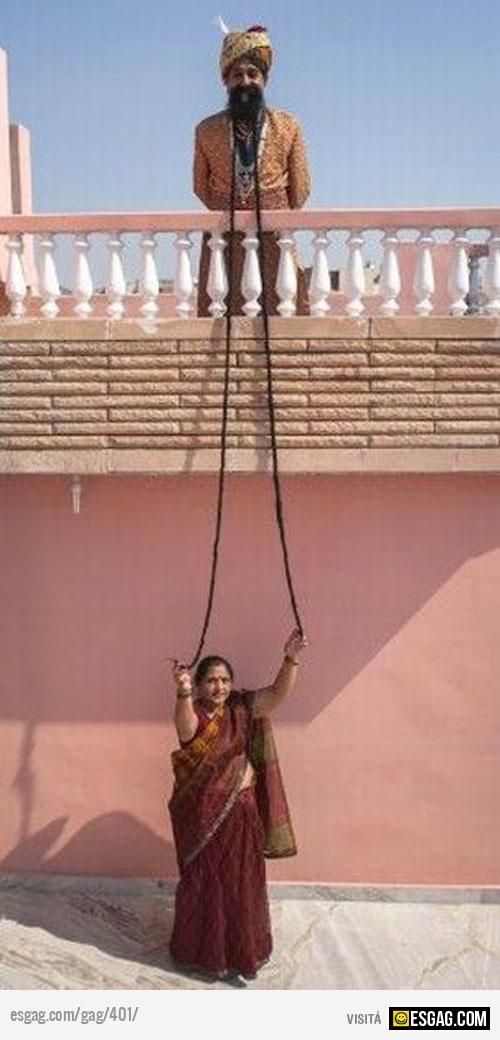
(253, 43)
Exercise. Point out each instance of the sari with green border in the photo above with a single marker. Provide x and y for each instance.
(208, 771)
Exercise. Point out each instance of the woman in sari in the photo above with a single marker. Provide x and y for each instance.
(228, 812)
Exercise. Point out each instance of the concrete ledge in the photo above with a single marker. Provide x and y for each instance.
(94, 329)
(300, 327)
(413, 327)
(344, 892)
(155, 462)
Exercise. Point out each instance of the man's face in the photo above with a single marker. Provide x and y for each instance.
(244, 74)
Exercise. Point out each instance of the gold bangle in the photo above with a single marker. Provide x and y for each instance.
(181, 696)
(291, 659)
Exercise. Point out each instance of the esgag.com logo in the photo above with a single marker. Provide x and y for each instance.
(399, 1018)
(439, 1018)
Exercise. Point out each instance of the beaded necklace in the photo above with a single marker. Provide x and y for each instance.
(245, 153)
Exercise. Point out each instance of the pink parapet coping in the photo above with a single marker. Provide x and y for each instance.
(452, 217)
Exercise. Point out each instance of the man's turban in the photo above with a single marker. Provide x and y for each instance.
(253, 43)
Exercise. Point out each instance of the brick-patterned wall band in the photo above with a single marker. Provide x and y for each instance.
(352, 392)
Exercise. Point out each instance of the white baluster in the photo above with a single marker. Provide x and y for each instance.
(423, 281)
(15, 285)
(492, 275)
(116, 287)
(320, 285)
(286, 282)
(251, 282)
(183, 281)
(83, 279)
(355, 276)
(390, 277)
(458, 275)
(49, 283)
(217, 283)
(149, 286)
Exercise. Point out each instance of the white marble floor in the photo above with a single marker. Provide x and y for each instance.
(59, 932)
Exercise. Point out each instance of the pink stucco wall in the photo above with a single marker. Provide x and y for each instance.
(22, 193)
(390, 745)
(5, 172)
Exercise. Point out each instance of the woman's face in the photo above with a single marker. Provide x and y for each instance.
(216, 686)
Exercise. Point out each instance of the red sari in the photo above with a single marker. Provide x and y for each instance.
(222, 834)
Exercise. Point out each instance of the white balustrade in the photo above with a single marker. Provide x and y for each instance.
(423, 282)
(390, 277)
(116, 287)
(83, 279)
(492, 275)
(320, 286)
(286, 283)
(15, 285)
(217, 283)
(49, 283)
(458, 276)
(355, 275)
(251, 281)
(462, 277)
(183, 281)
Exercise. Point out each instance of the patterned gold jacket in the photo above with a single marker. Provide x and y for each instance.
(283, 171)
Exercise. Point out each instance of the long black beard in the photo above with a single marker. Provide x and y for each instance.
(246, 103)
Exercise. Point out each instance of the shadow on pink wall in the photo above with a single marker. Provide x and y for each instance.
(117, 833)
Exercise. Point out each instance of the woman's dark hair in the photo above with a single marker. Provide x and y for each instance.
(207, 663)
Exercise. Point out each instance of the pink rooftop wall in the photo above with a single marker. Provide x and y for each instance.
(5, 176)
(15, 175)
(390, 743)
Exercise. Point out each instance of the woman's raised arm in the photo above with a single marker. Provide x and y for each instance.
(269, 697)
(185, 717)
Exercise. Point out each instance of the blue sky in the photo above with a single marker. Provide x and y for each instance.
(399, 100)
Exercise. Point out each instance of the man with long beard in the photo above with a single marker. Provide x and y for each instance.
(245, 61)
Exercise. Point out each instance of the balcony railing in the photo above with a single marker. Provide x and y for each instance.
(468, 232)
